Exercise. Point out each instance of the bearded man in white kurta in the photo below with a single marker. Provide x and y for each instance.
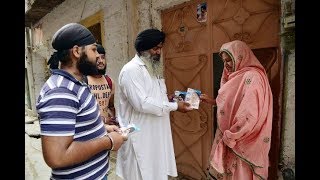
(148, 154)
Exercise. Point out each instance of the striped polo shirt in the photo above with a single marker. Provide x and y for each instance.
(67, 108)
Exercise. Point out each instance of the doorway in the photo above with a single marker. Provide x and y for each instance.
(96, 26)
(190, 60)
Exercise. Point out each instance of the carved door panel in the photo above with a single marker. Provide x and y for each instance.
(189, 55)
(187, 60)
(255, 22)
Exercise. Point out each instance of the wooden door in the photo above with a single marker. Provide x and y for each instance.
(189, 62)
(187, 59)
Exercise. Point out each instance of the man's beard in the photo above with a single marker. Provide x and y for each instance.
(86, 67)
(153, 63)
(102, 71)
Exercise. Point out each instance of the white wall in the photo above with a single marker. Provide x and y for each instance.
(287, 153)
(287, 156)
(289, 130)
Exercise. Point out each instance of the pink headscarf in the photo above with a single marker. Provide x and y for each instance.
(244, 112)
(242, 57)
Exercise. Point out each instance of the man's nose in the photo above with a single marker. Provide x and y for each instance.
(97, 54)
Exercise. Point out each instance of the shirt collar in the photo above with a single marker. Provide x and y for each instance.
(67, 75)
(138, 61)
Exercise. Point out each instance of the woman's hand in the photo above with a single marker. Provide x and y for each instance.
(170, 97)
(207, 99)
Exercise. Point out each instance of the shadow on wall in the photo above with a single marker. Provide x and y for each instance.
(288, 174)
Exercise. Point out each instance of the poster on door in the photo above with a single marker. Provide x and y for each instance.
(202, 12)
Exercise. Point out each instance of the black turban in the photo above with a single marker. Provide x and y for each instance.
(148, 39)
(65, 38)
(100, 49)
(70, 35)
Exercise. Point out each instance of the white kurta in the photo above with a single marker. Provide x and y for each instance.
(144, 102)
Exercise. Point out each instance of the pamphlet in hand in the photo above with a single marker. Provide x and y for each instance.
(193, 98)
(179, 96)
(129, 129)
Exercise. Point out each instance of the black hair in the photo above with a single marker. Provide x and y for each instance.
(62, 55)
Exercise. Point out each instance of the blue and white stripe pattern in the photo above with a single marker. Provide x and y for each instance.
(67, 108)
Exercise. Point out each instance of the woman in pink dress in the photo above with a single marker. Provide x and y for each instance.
(244, 117)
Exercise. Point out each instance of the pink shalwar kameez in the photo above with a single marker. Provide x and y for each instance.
(244, 116)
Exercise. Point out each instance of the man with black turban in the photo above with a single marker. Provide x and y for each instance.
(147, 154)
(75, 143)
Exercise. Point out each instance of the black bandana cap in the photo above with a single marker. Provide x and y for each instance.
(148, 39)
(65, 38)
(72, 34)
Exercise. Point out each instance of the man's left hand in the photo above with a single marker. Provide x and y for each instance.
(112, 128)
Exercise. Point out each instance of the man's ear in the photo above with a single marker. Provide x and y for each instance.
(76, 51)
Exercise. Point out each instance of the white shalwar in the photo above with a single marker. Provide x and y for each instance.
(147, 154)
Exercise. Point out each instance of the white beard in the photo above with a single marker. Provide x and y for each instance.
(155, 68)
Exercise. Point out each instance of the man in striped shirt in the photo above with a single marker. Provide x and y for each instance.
(75, 143)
